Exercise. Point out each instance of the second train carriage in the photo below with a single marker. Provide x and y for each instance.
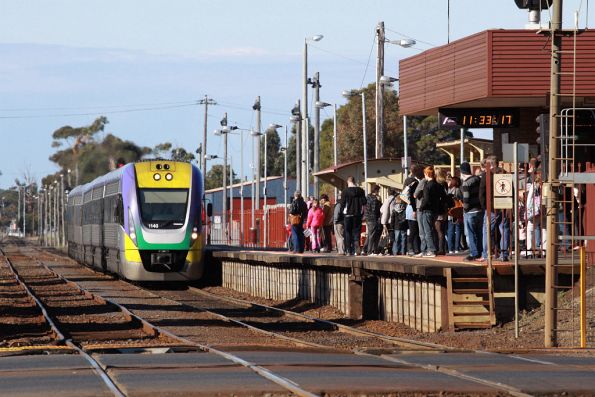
(141, 221)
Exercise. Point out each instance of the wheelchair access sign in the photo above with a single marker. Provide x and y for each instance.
(503, 191)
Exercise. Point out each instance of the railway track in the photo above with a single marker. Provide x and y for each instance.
(33, 274)
(337, 336)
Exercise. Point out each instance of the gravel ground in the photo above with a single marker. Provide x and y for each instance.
(499, 338)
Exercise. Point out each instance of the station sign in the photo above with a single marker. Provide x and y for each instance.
(503, 191)
(479, 118)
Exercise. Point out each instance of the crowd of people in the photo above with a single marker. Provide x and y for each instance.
(434, 214)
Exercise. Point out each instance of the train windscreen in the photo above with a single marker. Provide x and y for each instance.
(163, 208)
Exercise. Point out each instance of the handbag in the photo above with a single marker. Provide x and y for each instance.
(404, 195)
(457, 210)
(295, 219)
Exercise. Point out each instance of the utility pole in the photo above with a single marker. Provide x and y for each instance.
(380, 92)
(24, 211)
(551, 256)
(305, 124)
(298, 144)
(203, 161)
(224, 214)
(316, 99)
(256, 107)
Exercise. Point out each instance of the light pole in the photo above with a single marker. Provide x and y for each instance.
(24, 211)
(305, 124)
(295, 119)
(316, 162)
(322, 105)
(255, 202)
(379, 100)
(62, 192)
(349, 94)
(256, 135)
(224, 131)
(204, 160)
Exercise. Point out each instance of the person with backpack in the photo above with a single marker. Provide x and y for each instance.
(352, 202)
(373, 224)
(455, 216)
(400, 226)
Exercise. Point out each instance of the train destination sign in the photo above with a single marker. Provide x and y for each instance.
(479, 117)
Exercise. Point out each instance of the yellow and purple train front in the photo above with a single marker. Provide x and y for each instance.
(149, 216)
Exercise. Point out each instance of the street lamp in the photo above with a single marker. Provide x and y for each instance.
(296, 120)
(405, 43)
(224, 131)
(305, 123)
(322, 105)
(349, 94)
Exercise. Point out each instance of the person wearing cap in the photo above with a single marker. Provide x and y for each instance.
(472, 212)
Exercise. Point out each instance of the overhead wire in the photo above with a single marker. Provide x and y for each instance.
(146, 109)
(369, 58)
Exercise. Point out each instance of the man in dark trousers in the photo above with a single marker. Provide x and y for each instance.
(298, 208)
(352, 202)
(413, 240)
(373, 225)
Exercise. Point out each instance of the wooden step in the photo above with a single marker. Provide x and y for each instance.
(470, 291)
(473, 325)
(469, 279)
(471, 303)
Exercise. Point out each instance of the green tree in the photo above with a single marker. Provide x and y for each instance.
(214, 177)
(166, 150)
(76, 138)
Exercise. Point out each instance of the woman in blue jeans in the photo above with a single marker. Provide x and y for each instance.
(432, 198)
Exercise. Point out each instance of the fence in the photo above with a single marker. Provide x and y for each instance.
(269, 228)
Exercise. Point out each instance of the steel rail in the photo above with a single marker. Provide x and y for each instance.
(337, 326)
(109, 382)
(400, 341)
(262, 371)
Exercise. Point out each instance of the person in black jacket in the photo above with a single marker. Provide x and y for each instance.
(298, 207)
(373, 224)
(472, 212)
(352, 202)
(432, 199)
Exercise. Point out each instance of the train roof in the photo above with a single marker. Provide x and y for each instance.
(111, 176)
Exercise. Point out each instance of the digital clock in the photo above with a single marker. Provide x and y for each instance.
(479, 118)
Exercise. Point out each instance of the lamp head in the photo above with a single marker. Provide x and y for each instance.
(317, 37)
(405, 43)
(217, 132)
(295, 118)
(320, 104)
(275, 126)
(349, 93)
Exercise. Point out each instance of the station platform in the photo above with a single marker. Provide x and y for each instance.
(428, 294)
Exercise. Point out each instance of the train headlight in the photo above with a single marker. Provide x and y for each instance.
(169, 176)
(131, 227)
(157, 176)
(194, 234)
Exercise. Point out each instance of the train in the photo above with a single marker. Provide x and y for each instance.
(142, 221)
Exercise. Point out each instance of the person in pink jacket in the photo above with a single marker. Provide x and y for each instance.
(315, 223)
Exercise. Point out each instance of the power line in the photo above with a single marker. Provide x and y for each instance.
(412, 38)
(368, 63)
(337, 54)
(95, 113)
(97, 107)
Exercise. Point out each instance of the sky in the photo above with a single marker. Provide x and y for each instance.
(145, 63)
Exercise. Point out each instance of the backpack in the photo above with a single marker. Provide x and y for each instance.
(456, 211)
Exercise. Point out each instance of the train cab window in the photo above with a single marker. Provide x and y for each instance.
(163, 208)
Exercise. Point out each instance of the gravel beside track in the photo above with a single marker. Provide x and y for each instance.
(21, 321)
(81, 317)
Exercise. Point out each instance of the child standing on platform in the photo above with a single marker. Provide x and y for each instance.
(315, 223)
